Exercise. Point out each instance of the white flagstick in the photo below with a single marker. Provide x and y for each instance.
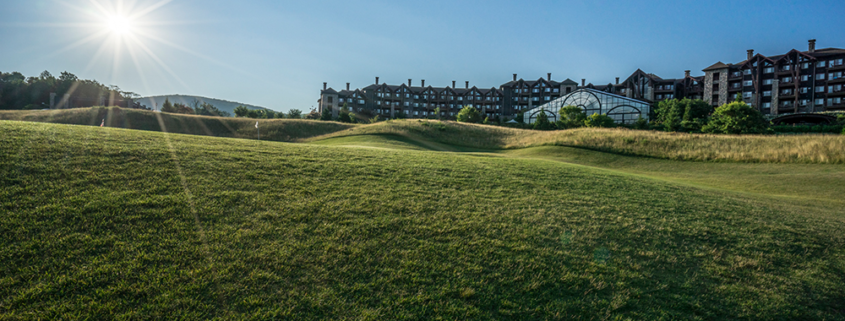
(258, 130)
(103, 123)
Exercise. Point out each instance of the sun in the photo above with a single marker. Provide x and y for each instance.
(119, 25)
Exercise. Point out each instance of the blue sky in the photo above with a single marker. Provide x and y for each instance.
(277, 54)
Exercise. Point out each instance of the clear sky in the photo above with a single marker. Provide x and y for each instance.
(277, 54)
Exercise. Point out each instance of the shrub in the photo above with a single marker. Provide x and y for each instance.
(599, 120)
(520, 118)
(737, 118)
(294, 114)
(571, 117)
(641, 123)
(326, 114)
(542, 122)
(468, 114)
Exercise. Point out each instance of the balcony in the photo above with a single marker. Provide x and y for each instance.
(783, 71)
(735, 75)
(837, 67)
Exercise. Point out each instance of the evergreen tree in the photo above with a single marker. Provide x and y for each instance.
(542, 122)
(167, 107)
(327, 113)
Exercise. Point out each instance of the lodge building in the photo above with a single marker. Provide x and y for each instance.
(794, 82)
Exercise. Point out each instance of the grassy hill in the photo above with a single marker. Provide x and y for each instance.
(452, 136)
(144, 224)
(224, 105)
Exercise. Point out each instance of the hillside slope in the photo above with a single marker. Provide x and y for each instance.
(224, 105)
(139, 224)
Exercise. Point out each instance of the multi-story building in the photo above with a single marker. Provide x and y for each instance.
(424, 101)
(798, 81)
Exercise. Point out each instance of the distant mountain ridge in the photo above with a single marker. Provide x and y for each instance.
(155, 102)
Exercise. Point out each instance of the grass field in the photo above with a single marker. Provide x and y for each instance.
(145, 224)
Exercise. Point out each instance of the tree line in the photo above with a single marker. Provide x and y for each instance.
(20, 92)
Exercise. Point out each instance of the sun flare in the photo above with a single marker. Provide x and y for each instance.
(119, 25)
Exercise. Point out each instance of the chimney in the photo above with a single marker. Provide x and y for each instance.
(750, 53)
(376, 80)
(324, 86)
(617, 80)
(583, 82)
(812, 45)
(514, 77)
(467, 84)
(549, 76)
(686, 73)
(423, 83)
(453, 84)
(409, 83)
(347, 86)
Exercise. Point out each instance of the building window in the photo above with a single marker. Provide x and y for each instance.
(747, 71)
(670, 96)
(805, 65)
(820, 64)
(767, 82)
(786, 79)
(767, 105)
(769, 70)
(659, 96)
(767, 93)
(820, 102)
(361, 102)
(819, 76)
(748, 83)
(746, 94)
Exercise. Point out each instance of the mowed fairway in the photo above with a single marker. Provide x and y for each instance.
(113, 223)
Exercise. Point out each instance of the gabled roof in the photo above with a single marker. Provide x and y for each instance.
(329, 91)
(718, 65)
(569, 82)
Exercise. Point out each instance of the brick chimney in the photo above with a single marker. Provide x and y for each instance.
(376, 80)
(453, 84)
(467, 84)
(324, 86)
(812, 45)
(686, 73)
(514, 77)
(549, 76)
(750, 53)
(423, 83)
(583, 82)
(617, 80)
(347, 86)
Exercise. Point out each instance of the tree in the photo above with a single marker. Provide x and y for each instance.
(313, 114)
(252, 113)
(327, 113)
(542, 122)
(641, 123)
(181, 108)
(400, 114)
(682, 115)
(599, 120)
(469, 114)
(737, 118)
(343, 116)
(269, 114)
(241, 111)
(294, 114)
(486, 120)
(520, 118)
(571, 117)
(437, 112)
(167, 107)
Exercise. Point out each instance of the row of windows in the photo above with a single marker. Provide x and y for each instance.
(806, 65)
(537, 90)
(423, 112)
(830, 76)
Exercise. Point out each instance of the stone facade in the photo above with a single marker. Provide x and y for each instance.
(775, 96)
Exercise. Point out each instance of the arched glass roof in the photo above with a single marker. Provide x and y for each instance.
(622, 109)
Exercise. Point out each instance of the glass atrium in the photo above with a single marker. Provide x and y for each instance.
(622, 109)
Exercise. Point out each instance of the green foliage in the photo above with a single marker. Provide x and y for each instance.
(520, 118)
(571, 117)
(268, 114)
(20, 92)
(313, 114)
(254, 113)
(326, 114)
(641, 123)
(469, 114)
(486, 120)
(542, 122)
(682, 114)
(241, 111)
(400, 114)
(737, 118)
(167, 107)
(343, 115)
(830, 129)
(599, 120)
(294, 114)
(840, 119)
(437, 112)
(207, 109)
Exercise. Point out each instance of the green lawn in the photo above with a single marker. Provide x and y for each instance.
(98, 222)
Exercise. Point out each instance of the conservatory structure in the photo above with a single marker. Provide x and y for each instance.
(622, 109)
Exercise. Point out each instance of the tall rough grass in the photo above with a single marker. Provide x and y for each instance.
(828, 149)
(271, 129)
